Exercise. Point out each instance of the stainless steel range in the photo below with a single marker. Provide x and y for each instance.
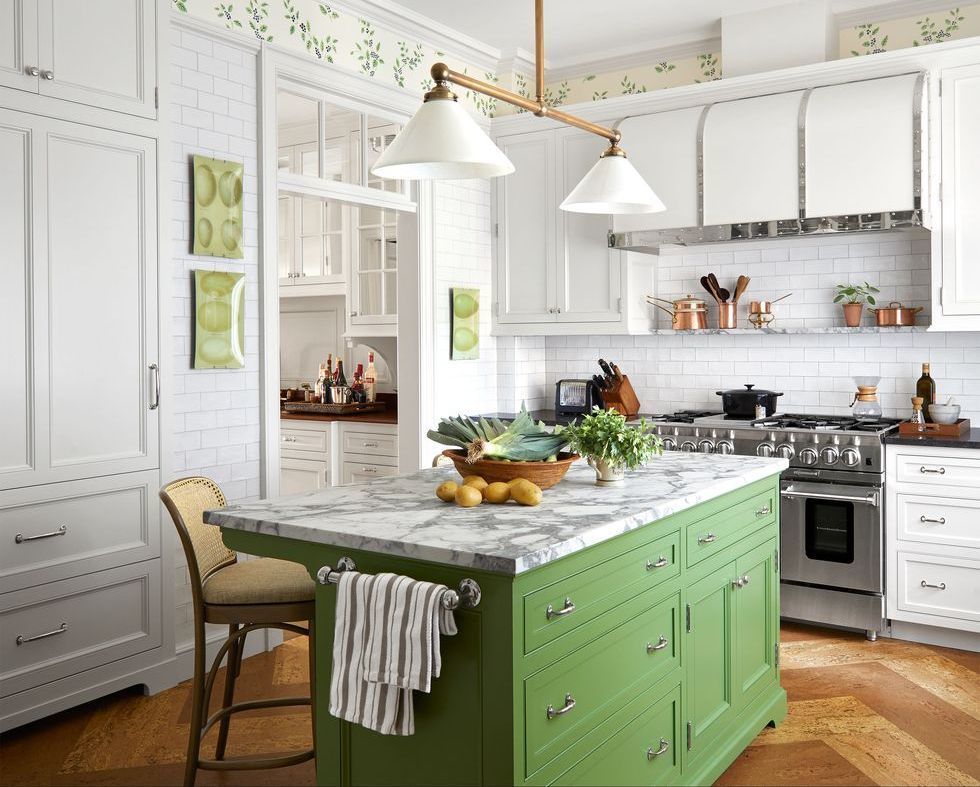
(832, 510)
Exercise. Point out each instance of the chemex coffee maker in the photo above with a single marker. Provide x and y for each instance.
(865, 405)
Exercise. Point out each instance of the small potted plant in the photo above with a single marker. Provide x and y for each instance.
(610, 446)
(854, 297)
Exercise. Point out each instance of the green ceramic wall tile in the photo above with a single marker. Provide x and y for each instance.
(219, 320)
(218, 207)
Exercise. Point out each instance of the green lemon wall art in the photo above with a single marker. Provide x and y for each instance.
(218, 207)
(465, 324)
(219, 320)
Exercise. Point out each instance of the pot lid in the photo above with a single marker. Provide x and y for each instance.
(750, 390)
(689, 304)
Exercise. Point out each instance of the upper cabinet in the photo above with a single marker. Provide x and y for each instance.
(751, 158)
(860, 150)
(97, 52)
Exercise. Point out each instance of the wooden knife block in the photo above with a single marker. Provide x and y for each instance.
(622, 398)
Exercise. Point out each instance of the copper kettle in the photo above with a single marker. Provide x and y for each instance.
(686, 314)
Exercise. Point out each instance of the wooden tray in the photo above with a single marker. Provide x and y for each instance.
(333, 409)
(961, 427)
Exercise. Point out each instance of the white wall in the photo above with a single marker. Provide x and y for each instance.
(216, 412)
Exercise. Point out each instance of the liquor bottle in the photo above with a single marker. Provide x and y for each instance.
(321, 384)
(341, 379)
(357, 386)
(370, 380)
(926, 388)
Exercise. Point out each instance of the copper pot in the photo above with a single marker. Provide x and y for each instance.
(686, 314)
(894, 314)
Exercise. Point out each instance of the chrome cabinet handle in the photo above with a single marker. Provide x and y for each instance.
(370, 445)
(288, 439)
(661, 644)
(369, 470)
(940, 521)
(940, 471)
(21, 639)
(20, 538)
(737, 583)
(33, 71)
(708, 539)
(49, 75)
(156, 386)
(567, 609)
(353, 314)
(764, 511)
(569, 704)
(659, 564)
(940, 586)
(664, 746)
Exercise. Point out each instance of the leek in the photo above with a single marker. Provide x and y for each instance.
(522, 440)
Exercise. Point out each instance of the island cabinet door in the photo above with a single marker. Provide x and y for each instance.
(755, 623)
(708, 649)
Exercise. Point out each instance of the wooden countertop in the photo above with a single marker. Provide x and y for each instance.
(389, 416)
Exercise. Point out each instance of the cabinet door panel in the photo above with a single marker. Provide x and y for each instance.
(16, 274)
(100, 52)
(526, 215)
(302, 475)
(588, 276)
(710, 700)
(18, 44)
(101, 237)
(755, 623)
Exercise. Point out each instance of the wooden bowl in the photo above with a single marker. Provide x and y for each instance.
(544, 474)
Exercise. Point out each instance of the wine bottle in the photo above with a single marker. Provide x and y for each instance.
(341, 378)
(321, 384)
(371, 379)
(926, 388)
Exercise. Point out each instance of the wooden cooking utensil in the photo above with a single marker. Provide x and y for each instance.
(743, 282)
(717, 287)
(707, 286)
(724, 294)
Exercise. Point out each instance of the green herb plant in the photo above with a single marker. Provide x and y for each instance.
(603, 435)
(856, 293)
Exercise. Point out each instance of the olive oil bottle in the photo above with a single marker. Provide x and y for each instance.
(926, 388)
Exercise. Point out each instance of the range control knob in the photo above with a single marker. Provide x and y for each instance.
(808, 456)
(669, 444)
(724, 447)
(850, 457)
(786, 451)
(689, 446)
(765, 449)
(706, 447)
(829, 455)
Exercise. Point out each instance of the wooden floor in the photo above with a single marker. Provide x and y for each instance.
(860, 712)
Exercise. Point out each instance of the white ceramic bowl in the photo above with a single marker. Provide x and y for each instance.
(944, 413)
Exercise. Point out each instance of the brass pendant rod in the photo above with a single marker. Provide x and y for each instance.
(539, 50)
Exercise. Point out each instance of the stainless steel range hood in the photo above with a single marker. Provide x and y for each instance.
(829, 160)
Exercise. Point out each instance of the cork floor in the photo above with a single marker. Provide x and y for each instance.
(860, 713)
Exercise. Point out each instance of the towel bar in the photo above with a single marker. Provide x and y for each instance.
(467, 595)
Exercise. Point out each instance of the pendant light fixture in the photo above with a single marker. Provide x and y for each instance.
(442, 142)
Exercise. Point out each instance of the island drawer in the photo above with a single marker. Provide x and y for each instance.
(645, 751)
(938, 520)
(566, 700)
(565, 605)
(713, 534)
(942, 586)
(938, 470)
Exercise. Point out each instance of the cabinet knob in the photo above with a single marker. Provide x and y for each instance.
(49, 75)
(33, 71)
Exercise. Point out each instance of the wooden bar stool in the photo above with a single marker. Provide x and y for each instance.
(247, 596)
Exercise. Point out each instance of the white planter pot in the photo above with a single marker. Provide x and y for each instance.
(606, 474)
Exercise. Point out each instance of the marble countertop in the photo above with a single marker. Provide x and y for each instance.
(400, 515)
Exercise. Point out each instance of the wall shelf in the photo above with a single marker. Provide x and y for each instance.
(838, 329)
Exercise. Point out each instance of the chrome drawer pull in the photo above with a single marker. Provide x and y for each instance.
(765, 510)
(569, 704)
(288, 439)
(661, 644)
(664, 746)
(567, 609)
(661, 562)
(940, 586)
(370, 445)
(21, 639)
(940, 471)
(745, 579)
(940, 521)
(707, 539)
(20, 538)
(154, 369)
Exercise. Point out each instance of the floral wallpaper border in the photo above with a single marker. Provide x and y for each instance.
(358, 44)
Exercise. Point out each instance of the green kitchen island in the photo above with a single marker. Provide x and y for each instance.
(624, 636)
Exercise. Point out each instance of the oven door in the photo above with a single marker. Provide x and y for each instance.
(831, 535)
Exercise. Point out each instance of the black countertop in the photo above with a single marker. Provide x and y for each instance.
(551, 418)
(970, 439)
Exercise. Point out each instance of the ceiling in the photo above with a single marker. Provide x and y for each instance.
(575, 32)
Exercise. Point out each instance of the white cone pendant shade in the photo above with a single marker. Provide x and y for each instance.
(612, 186)
(441, 142)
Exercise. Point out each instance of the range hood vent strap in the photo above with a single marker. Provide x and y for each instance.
(804, 102)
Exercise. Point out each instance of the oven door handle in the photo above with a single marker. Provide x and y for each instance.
(870, 499)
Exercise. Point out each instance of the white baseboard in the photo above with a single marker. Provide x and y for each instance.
(934, 635)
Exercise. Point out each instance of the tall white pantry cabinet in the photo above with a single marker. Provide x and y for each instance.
(83, 605)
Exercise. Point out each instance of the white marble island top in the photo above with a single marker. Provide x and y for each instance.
(400, 515)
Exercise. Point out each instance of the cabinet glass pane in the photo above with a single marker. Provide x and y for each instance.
(334, 247)
(391, 292)
(297, 121)
(339, 124)
(369, 249)
(381, 132)
(391, 253)
(370, 294)
(313, 256)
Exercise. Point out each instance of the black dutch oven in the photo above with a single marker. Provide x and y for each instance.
(741, 404)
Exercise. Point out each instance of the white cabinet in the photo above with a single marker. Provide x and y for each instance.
(932, 563)
(360, 472)
(959, 301)
(368, 451)
(302, 475)
(79, 301)
(97, 52)
(316, 454)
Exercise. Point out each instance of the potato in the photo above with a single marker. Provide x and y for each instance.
(514, 481)
(468, 496)
(475, 481)
(527, 494)
(446, 491)
(497, 492)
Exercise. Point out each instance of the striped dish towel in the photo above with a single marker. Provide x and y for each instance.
(386, 644)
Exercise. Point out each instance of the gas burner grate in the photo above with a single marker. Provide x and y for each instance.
(683, 416)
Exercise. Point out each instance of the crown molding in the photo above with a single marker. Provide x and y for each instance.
(886, 12)
(624, 58)
(519, 60)
(215, 30)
